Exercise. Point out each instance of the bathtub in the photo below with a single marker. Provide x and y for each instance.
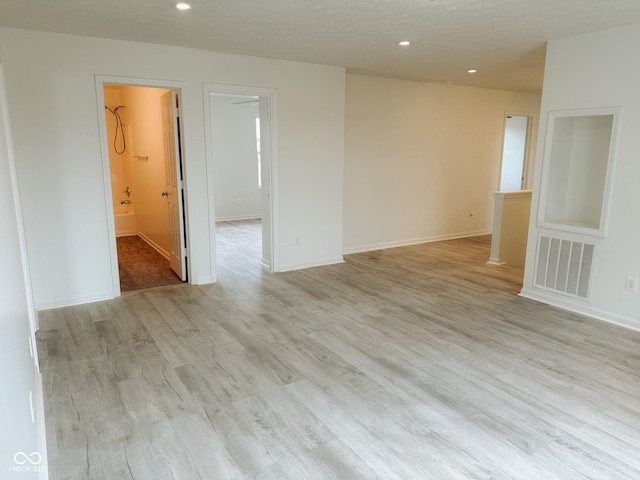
(126, 223)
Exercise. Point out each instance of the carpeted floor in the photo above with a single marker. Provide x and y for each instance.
(141, 266)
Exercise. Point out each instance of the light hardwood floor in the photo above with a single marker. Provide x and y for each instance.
(413, 363)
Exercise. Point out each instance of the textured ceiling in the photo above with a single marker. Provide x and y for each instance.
(503, 39)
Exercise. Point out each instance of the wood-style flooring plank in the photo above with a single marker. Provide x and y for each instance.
(418, 362)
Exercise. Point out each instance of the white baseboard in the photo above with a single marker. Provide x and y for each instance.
(317, 263)
(266, 264)
(154, 245)
(571, 305)
(204, 280)
(495, 261)
(69, 302)
(239, 217)
(413, 241)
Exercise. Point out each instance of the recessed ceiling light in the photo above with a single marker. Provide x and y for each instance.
(472, 70)
(183, 6)
(404, 43)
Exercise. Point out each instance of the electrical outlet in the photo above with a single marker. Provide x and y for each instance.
(297, 242)
(631, 284)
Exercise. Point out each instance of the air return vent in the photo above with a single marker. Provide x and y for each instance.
(565, 266)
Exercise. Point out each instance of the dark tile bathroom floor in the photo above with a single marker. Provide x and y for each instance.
(141, 266)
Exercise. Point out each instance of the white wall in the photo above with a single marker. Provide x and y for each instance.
(54, 119)
(419, 157)
(599, 70)
(18, 372)
(235, 168)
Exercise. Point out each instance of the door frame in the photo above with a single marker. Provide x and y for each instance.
(529, 147)
(271, 94)
(181, 87)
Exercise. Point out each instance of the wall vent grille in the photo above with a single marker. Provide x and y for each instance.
(565, 266)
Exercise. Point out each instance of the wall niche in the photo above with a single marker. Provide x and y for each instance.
(578, 163)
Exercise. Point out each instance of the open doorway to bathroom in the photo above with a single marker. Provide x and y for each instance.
(142, 131)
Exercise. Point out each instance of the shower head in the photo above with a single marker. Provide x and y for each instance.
(115, 109)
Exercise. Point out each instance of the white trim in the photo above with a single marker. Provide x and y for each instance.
(512, 194)
(239, 217)
(317, 263)
(204, 280)
(413, 241)
(210, 89)
(101, 81)
(580, 307)
(275, 216)
(601, 231)
(71, 301)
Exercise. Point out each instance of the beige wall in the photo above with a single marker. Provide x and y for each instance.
(112, 100)
(510, 228)
(142, 112)
(419, 158)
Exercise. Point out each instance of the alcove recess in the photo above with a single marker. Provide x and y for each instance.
(577, 170)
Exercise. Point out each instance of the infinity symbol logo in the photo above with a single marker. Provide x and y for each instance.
(21, 458)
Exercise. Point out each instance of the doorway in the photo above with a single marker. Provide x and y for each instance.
(516, 151)
(237, 172)
(142, 127)
(241, 152)
(512, 203)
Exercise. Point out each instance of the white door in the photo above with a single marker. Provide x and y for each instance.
(174, 191)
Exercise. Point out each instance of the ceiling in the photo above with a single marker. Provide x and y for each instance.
(503, 39)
